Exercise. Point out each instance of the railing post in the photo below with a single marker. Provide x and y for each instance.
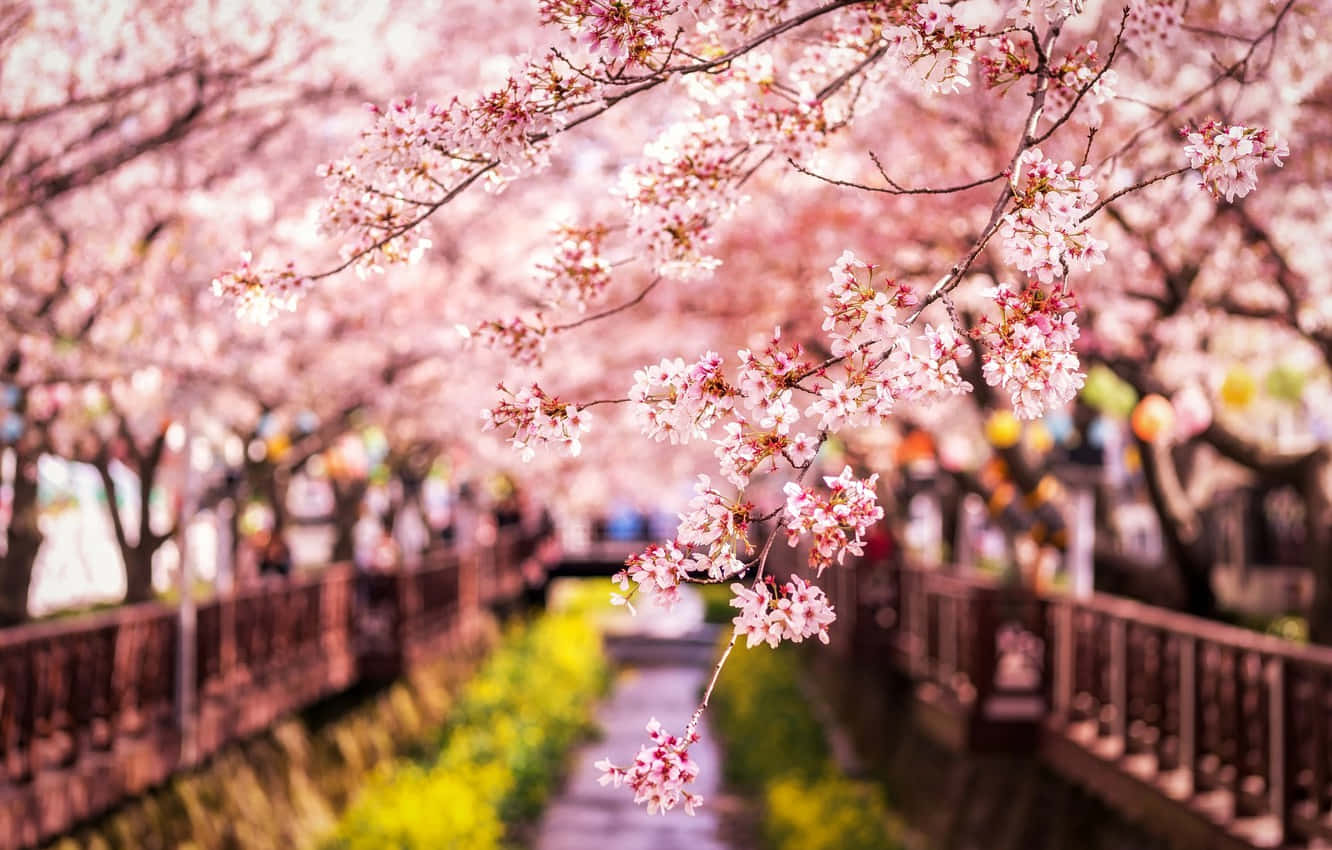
(920, 644)
(1318, 702)
(1119, 682)
(984, 621)
(1281, 763)
(1065, 659)
(949, 626)
(1190, 711)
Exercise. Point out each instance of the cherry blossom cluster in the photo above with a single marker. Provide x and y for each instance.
(414, 156)
(678, 402)
(657, 572)
(742, 450)
(1228, 157)
(1046, 231)
(660, 772)
(1077, 71)
(260, 294)
(932, 48)
(1029, 352)
(680, 189)
(765, 379)
(1024, 12)
(769, 613)
(935, 375)
(863, 395)
(524, 340)
(713, 518)
(859, 313)
(376, 226)
(576, 272)
(537, 419)
(1152, 26)
(1008, 63)
(622, 30)
(836, 522)
(742, 16)
(793, 131)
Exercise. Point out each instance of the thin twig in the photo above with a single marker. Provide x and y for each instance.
(612, 311)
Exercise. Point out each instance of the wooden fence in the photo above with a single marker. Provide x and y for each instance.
(1214, 735)
(89, 707)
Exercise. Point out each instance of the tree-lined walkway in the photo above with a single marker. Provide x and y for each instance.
(667, 658)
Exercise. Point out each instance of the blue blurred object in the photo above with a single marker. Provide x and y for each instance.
(307, 421)
(1060, 426)
(12, 428)
(1098, 432)
(626, 523)
(9, 395)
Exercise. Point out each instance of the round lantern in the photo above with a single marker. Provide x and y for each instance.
(915, 446)
(1039, 437)
(1003, 429)
(1285, 383)
(278, 445)
(1153, 418)
(1238, 388)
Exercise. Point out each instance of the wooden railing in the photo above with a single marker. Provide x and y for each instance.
(1217, 735)
(1235, 723)
(89, 710)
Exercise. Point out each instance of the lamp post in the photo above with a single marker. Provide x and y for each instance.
(186, 645)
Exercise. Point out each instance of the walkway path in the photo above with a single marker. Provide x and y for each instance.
(666, 659)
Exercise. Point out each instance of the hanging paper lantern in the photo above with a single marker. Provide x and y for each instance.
(1106, 392)
(1238, 388)
(1153, 418)
(1132, 459)
(1285, 383)
(1039, 437)
(915, 446)
(1192, 411)
(278, 445)
(1003, 429)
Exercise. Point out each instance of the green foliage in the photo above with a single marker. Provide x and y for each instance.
(761, 714)
(830, 813)
(717, 603)
(1106, 392)
(1286, 383)
(1292, 627)
(500, 753)
(776, 747)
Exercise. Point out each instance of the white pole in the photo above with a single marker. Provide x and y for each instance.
(187, 713)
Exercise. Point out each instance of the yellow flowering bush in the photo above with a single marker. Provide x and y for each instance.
(776, 748)
(500, 753)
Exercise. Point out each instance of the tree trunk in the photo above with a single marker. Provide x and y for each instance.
(1186, 546)
(1318, 544)
(346, 511)
(276, 482)
(138, 573)
(24, 538)
(137, 554)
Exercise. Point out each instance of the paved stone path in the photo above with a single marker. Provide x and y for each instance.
(672, 657)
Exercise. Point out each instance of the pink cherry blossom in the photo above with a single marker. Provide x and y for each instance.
(659, 773)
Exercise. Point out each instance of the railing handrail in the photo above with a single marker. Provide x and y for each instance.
(92, 621)
(1132, 610)
(1189, 625)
